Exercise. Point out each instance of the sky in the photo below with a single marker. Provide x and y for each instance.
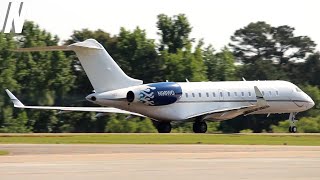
(213, 20)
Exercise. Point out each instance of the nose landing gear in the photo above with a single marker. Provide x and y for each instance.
(293, 128)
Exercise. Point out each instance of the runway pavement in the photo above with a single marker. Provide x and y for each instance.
(28, 161)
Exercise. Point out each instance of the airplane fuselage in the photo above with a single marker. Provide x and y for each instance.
(205, 97)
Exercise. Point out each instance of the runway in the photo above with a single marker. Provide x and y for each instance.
(61, 161)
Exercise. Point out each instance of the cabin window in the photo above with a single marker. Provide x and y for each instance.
(193, 95)
(229, 94)
(214, 94)
(207, 94)
(235, 94)
(187, 95)
(249, 94)
(199, 94)
(277, 93)
(242, 94)
(220, 94)
(270, 93)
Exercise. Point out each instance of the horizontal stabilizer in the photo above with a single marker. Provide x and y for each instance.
(41, 49)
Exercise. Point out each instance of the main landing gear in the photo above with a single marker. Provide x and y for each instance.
(163, 127)
(200, 127)
(293, 128)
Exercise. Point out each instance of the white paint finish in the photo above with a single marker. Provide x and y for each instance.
(284, 102)
(102, 71)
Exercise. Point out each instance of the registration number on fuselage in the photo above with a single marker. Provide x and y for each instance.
(166, 93)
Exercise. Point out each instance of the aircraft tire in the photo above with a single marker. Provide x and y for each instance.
(164, 127)
(293, 129)
(200, 127)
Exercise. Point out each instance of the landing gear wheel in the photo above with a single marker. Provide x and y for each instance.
(293, 129)
(164, 127)
(200, 127)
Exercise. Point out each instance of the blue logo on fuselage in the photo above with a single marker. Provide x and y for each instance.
(158, 94)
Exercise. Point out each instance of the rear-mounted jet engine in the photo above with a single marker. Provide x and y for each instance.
(156, 94)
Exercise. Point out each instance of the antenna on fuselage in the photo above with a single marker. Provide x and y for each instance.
(244, 79)
(187, 80)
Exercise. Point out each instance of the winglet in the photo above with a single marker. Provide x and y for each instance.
(15, 100)
(261, 102)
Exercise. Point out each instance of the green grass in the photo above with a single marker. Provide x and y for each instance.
(250, 139)
(3, 152)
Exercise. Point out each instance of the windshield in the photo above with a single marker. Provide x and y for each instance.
(298, 89)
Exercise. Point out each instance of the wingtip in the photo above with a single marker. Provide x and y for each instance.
(14, 100)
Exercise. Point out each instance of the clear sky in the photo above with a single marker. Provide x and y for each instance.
(213, 20)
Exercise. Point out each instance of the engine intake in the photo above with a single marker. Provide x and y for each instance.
(130, 96)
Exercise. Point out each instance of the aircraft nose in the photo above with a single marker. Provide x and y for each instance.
(310, 102)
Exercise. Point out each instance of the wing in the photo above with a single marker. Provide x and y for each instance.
(18, 104)
(229, 113)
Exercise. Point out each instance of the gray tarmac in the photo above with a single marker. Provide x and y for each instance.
(61, 161)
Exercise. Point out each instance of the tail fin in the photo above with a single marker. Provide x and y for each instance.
(103, 72)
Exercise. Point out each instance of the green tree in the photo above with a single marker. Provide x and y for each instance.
(139, 55)
(116, 124)
(261, 70)
(184, 65)
(13, 124)
(180, 61)
(44, 77)
(7, 81)
(311, 70)
(261, 41)
(174, 32)
(196, 68)
(221, 65)
(145, 126)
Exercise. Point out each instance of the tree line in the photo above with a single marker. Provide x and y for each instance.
(257, 51)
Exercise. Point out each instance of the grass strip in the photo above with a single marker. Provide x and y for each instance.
(236, 139)
(2, 152)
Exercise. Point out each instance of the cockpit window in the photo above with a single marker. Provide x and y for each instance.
(298, 89)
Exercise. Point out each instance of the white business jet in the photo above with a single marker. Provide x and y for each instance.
(164, 102)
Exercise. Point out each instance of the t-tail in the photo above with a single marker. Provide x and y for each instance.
(102, 71)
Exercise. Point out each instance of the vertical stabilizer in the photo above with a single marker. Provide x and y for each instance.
(102, 71)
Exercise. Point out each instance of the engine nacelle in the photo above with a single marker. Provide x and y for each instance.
(156, 94)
